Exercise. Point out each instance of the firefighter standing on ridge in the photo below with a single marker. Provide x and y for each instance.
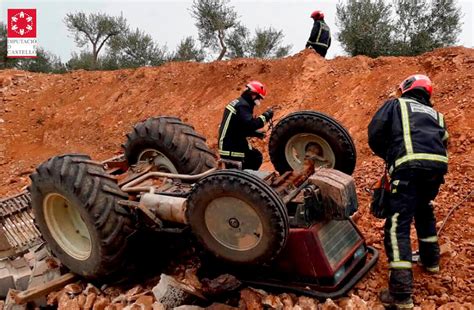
(320, 37)
(412, 139)
(238, 123)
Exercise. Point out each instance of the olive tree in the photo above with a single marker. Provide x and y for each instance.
(94, 29)
(214, 20)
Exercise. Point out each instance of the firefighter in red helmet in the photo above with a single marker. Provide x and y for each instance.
(238, 123)
(320, 37)
(412, 138)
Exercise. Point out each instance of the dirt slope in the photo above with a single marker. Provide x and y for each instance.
(89, 112)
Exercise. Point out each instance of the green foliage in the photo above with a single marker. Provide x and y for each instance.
(83, 60)
(4, 61)
(44, 62)
(94, 28)
(214, 18)
(419, 26)
(219, 29)
(125, 48)
(425, 25)
(265, 43)
(413, 37)
(445, 22)
(366, 27)
(188, 50)
(132, 49)
(238, 42)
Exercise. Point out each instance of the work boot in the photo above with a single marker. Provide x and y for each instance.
(390, 302)
(429, 269)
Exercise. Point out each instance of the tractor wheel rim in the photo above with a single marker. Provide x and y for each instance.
(304, 144)
(67, 227)
(233, 223)
(161, 162)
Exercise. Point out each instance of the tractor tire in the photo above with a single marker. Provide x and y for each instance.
(74, 203)
(291, 136)
(238, 217)
(174, 145)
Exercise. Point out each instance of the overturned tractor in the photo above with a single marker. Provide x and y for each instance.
(293, 225)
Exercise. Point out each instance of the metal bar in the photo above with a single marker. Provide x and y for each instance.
(295, 192)
(18, 232)
(115, 158)
(13, 231)
(10, 237)
(134, 176)
(126, 188)
(18, 223)
(26, 193)
(43, 289)
(32, 221)
(27, 223)
(21, 225)
(137, 189)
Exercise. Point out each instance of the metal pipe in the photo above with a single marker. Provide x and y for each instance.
(128, 186)
(115, 158)
(135, 176)
(167, 208)
(137, 189)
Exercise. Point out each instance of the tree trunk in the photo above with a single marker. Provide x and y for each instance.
(95, 54)
(222, 54)
(221, 41)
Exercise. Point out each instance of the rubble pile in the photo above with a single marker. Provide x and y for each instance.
(42, 115)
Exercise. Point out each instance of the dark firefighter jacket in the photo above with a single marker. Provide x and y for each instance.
(409, 133)
(320, 34)
(237, 124)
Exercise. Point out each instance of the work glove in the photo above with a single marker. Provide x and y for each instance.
(268, 114)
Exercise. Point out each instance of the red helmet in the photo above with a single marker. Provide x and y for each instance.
(257, 88)
(317, 15)
(417, 81)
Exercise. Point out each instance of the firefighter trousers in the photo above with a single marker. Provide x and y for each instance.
(411, 192)
(321, 50)
(252, 159)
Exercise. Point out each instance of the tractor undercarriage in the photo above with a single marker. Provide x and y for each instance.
(288, 230)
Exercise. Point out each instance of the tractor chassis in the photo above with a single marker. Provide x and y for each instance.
(163, 198)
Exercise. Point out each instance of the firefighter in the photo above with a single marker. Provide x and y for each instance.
(320, 37)
(412, 138)
(238, 123)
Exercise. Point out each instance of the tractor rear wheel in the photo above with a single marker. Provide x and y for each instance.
(238, 217)
(300, 132)
(74, 202)
(173, 145)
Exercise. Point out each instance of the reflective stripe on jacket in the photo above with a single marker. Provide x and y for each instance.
(320, 34)
(409, 134)
(237, 124)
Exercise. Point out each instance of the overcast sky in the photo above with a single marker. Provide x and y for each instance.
(169, 21)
